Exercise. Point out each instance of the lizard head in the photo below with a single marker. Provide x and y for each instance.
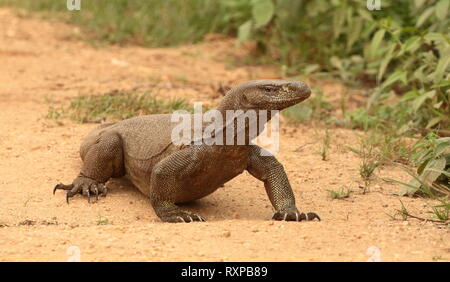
(266, 95)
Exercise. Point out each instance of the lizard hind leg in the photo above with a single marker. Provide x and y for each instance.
(102, 159)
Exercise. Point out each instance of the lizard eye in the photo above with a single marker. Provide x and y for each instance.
(269, 89)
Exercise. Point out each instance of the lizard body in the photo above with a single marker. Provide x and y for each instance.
(141, 149)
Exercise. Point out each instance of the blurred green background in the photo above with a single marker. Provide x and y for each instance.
(401, 52)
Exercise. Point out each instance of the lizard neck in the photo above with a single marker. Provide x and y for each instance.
(247, 123)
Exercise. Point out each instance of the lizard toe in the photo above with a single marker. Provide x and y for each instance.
(184, 217)
(294, 216)
(98, 189)
(61, 186)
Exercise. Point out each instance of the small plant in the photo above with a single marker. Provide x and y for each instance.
(343, 193)
(343, 103)
(391, 148)
(54, 113)
(441, 211)
(366, 170)
(103, 221)
(325, 145)
(360, 119)
(432, 156)
(368, 164)
(403, 212)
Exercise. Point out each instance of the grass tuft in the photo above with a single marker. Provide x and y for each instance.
(342, 193)
(115, 106)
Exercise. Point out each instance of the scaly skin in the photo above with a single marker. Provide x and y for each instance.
(140, 149)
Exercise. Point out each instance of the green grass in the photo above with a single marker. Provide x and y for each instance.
(439, 213)
(368, 163)
(115, 106)
(149, 22)
(325, 145)
(103, 221)
(342, 193)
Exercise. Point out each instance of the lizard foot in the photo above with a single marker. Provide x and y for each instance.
(182, 216)
(294, 216)
(82, 185)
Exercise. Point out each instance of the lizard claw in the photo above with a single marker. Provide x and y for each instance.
(61, 186)
(294, 216)
(182, 216)
(82, 185)
(312, 216)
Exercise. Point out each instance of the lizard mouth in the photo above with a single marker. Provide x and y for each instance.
(284, 103)
(296, 92)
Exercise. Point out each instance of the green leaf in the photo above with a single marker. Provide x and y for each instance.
(376, 40)
(421, 99)
(441, 148)
(438, 105)
(262, 12)
(433, 122)
(443, 63)
(411, 45)
(336, 62)
(396, 76)
(441, 171)
(338, 21)
(418, 74)
(441, 9)
(385, 62)
(423, 165)
(436, 37)
(424, 16)
(419, 3)
(431, 172)
(354, 32)
(408, 189)
(443, 83)
(365, 14)
(244, 31)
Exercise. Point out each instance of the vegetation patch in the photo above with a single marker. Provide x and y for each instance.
(114, 106)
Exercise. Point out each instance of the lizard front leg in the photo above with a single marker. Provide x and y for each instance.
(271, 172)
(102, 159)
(167, 180)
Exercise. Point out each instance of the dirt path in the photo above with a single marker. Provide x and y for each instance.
(43, 61)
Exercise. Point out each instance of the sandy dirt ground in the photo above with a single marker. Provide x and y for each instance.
(44, 62)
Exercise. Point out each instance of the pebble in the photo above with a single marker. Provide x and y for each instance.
(226, 234)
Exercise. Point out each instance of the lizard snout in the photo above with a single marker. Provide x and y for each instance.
(300, 88)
